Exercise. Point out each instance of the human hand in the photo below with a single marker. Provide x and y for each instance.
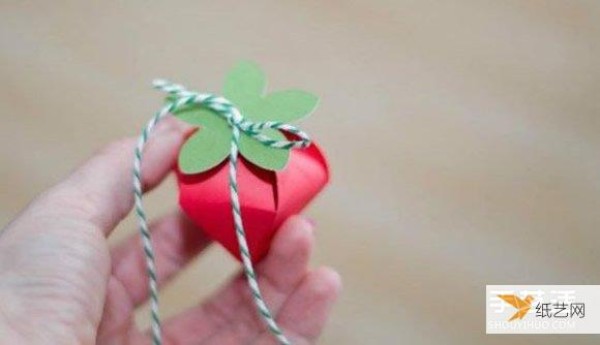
(60, 283)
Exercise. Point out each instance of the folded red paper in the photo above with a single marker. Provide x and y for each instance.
(267, 198)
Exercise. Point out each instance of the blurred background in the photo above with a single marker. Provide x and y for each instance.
(463, 137)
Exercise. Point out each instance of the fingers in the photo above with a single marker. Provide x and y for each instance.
(118, 324)
(100, 191)
(288, 257)
(176, 241)
(305, 313)
(231, 313)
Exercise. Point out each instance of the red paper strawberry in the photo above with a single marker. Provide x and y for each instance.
(273, 183)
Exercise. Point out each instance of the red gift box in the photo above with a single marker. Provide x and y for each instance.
(267, 198)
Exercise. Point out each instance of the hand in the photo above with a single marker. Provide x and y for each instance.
(60, 283)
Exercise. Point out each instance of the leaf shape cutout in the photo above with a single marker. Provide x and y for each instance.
(244, 84)
(265, 157)
(207, 119)
(284, 106)
(244, 87)
(202, 151)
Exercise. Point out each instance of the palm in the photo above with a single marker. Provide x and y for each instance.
(60, 278)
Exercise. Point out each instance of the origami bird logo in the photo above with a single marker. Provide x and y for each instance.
(522, 305)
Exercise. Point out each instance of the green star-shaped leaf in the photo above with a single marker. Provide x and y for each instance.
(244, 87)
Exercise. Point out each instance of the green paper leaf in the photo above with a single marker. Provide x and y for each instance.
(244, 84)
(284, 106)
(205, 118)
(265, 157)
(202, 151)
(209, 146)
(244, 87)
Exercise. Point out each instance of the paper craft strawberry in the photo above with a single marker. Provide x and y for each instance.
(273, 183)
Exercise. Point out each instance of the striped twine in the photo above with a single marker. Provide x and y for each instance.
(238, 124)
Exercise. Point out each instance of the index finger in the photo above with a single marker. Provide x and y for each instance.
(100, 191)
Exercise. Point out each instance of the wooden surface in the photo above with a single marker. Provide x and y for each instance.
(463, 137)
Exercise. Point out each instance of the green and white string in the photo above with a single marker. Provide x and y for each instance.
(222, 107)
